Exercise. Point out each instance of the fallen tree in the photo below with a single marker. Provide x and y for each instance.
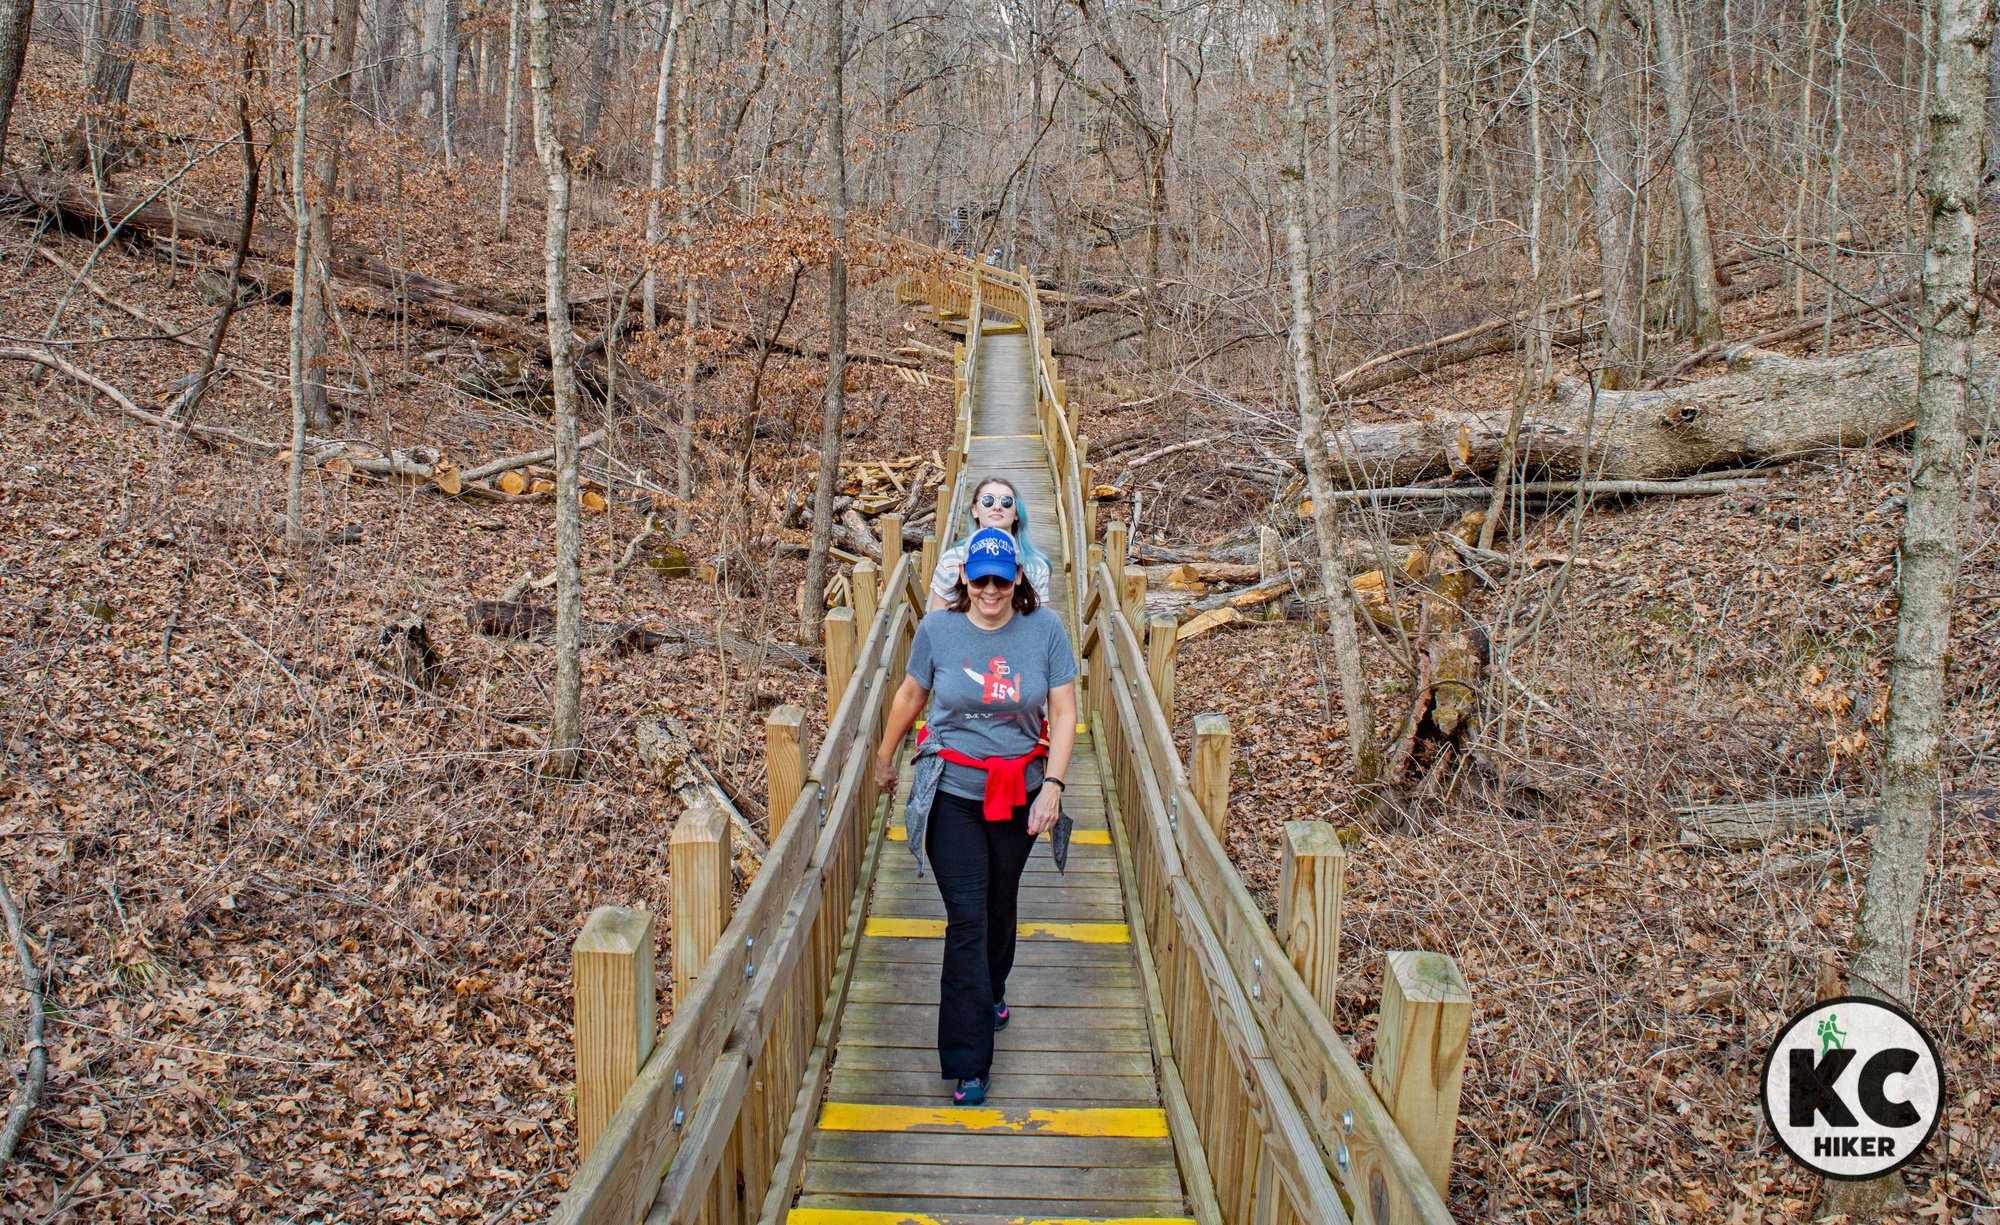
(1767, 407)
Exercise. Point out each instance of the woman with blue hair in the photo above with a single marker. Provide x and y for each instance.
(995, 503)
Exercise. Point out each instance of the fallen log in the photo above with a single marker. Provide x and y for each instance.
(1768, 407)
(665, 749)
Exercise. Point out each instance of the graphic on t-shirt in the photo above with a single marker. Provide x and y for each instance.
(997, 684)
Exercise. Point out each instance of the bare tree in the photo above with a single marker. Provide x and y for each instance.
(1312, 434)
(509, 135)
(1885, 932)
(331, 110)
(1615, 196)
(301, 280)
(566, 726)
(1676, 72)
(812, 601)
(17, 18)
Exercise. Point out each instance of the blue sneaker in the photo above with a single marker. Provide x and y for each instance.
(1000, 1015)
(971, 1091)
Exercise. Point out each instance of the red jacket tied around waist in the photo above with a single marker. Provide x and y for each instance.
(1006, 777)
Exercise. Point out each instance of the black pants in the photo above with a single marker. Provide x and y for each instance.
(978, 865)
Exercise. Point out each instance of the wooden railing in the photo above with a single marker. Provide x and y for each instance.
(707, 1123)
(1289, 1125)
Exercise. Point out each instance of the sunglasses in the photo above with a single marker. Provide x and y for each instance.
(989, 582)
(1005, 502)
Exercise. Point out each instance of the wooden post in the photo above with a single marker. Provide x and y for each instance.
(1211, 771)
(867, 587)
(839, 656)
(892, 544)
(1309, 884)
(1133, 599)
(1088, 472)
(611, 977)
(1114, 557)
(1161, 634)
(927, 565)
(698, 865)
(950, 486)
(784, 764)
(1420, 1053)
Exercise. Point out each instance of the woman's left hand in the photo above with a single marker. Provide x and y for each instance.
(1046, 808)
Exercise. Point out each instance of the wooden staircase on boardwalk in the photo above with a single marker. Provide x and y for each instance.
(1170, 1058)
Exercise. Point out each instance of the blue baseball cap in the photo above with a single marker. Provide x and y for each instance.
(991, 554)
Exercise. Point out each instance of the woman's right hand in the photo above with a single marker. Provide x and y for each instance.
(885, 773)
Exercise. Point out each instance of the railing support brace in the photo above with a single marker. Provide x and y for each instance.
(611, 977)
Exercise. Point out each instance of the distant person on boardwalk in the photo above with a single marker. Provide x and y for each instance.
(1000, 678)
(995, 503)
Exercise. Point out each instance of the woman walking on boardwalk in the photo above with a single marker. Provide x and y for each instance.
(999, 676)
(995, 503)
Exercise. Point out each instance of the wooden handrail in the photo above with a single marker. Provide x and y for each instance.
(670, 1141)
(1352, 1133)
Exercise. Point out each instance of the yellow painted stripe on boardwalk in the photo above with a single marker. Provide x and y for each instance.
(1129, 1122)
(869, 1216)
(932, 929)
(980, 437)
(1082, 837)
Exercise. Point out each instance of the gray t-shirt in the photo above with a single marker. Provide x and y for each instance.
(989, 688)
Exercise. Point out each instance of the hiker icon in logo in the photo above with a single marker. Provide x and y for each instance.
(1853, 1087)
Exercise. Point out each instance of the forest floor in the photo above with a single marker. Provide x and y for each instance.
(309, 926)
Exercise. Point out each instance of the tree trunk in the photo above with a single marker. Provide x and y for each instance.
(331, 110)
(600, 68)
(1768, 406)
(1336, 177)
(1615, 198)
(566, 726)
(1305, 386)
(1885, 930)
(656, 177)
(1676, 72)
(448, 56)
(690, 290)
(812, 600)
(1399, 174)
(301, 281)
(508, 124)
(17, 18)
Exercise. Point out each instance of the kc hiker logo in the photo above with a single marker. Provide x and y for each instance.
(997, 684)
(1853, 1088)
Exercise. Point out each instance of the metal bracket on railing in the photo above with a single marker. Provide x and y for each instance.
(821, 799)
(1347, 1121)
(1257, 984)
(680, 1113)
(1174, 812)
(1340, 1158)
(749, 956)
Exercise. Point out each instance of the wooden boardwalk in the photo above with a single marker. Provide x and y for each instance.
(1074, 1130)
